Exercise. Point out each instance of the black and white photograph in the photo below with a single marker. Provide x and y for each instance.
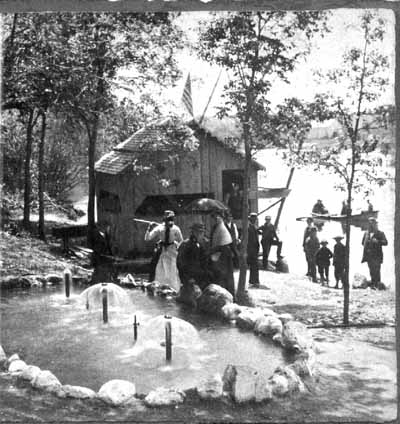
(198, 215)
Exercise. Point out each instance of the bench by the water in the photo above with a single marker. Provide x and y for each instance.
(69, 231)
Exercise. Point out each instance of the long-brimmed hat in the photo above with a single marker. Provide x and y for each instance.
(169, 214)
(338, 238)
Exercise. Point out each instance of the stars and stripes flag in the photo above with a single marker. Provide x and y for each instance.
(187, 96)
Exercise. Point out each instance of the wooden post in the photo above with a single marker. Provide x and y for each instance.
(135, 326)
(67, 282)
(168, 338)
(105, 302)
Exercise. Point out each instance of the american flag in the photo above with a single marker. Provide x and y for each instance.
(187, 96)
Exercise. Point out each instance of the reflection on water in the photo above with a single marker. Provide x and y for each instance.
(307, 186)
(48, 330)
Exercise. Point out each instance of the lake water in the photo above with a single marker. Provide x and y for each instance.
(307, 186)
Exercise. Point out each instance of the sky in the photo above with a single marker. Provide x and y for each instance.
(326, 53)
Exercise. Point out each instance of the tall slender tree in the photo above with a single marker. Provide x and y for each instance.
(102, 44)
(255, 48)
(362, 79)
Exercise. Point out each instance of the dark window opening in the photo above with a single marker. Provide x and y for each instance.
(156, 205)
(232, 191)
(109, 202)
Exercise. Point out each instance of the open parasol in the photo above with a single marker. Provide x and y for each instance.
(205, 205)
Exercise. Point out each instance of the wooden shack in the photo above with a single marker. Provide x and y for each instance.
(122, 193)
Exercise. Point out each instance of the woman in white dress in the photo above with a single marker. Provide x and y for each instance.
(170, 237)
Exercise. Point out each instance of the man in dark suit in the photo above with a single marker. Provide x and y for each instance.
(268, 239)
(253, 247)
(373, 240)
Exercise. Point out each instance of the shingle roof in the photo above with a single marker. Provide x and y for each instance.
(114, 162)
(123, 154)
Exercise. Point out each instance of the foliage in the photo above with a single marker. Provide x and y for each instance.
(353, 158)
(354, 155)
(12, 134)
(164, 144)
(124, 119)
(256, 48)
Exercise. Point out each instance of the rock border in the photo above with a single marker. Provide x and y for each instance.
(239, 383)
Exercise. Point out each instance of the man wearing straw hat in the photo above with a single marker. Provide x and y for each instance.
(373, 240)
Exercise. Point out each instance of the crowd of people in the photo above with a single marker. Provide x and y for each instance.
(196, 260)
(200, 260)
(319, 255)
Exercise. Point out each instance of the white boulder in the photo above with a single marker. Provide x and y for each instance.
(305, 364)
(213, 299)
(164, 397)
(285, 318)
(359, 281)
(30, 372)
(241, 382)
(117, 392)
(263, 390)
(295, 336)
(78, 392)
(46, 380)
(248, 317)
(268, 325)
(13, 357)
(17, 366)
(279, 385)
(231, 311)
(3, 357)
(292, 384)
(211, 388)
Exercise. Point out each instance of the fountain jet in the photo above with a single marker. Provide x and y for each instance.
(168, 338)
(104, 293)
(67, 281)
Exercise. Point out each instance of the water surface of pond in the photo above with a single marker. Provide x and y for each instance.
(62, 336)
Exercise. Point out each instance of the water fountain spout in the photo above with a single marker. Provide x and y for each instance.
(168, 338)
(104, 292)
(135, 326)
(67, 281)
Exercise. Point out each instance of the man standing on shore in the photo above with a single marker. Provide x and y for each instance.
(268, 239)
(373, 240)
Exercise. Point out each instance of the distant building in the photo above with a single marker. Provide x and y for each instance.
(208, 171)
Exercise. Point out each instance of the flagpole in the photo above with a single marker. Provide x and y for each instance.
(209, 100)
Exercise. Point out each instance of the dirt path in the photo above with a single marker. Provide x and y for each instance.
(356, 377)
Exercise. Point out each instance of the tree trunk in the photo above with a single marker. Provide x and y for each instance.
(346, 277)
(92, 188)
(41, 181)
(241, 289)
(27, 171)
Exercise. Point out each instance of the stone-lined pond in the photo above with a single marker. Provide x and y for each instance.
(65, 337)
